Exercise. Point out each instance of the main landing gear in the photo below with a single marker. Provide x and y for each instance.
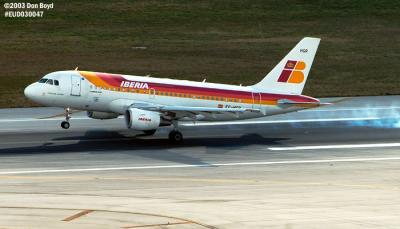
(65, 124)
(175, 136)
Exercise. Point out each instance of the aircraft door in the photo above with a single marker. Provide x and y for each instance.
(76, 85)
(256, 100)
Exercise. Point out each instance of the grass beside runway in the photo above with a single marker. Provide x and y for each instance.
(223, 41)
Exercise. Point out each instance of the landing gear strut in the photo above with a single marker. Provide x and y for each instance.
(65, 124)
(175, 136)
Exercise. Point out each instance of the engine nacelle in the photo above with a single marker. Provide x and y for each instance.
(101, 115)
(141, 119)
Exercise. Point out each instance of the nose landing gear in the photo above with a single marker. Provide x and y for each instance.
(65, 124)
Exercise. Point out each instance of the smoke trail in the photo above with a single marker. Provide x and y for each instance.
(388, 117)
(375, 116)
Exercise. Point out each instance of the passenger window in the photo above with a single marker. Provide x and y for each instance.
(56, 82)
(50, 81)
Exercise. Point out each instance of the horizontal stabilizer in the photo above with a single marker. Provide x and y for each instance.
(289, 103)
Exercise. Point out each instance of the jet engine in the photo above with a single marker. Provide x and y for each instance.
(101, 115)
(138, 119)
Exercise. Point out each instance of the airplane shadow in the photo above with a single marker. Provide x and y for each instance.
(109, 142)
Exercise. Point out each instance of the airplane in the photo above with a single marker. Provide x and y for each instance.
(148, 103)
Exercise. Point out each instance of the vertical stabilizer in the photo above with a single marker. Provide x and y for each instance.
(290, 75)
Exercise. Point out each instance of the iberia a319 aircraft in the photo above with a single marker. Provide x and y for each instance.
(148, 103)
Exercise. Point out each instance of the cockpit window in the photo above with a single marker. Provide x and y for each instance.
(50, 81)
(56, 82)
(42, 80)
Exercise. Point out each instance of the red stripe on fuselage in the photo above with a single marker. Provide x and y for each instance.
(112, 79)
(115, 80)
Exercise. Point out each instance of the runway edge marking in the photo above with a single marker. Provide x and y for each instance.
(200, 165)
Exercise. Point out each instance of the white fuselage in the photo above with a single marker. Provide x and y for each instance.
(81, 91)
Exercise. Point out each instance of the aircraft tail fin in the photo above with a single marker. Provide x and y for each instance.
(290, 74)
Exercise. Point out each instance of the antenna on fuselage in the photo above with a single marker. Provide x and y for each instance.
(204, 80)
(76, 69)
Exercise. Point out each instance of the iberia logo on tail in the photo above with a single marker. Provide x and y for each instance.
(292, 72)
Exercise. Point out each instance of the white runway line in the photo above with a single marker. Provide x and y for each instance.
(189, 123)
(277, 121)
(350, 109)
(199, 165)
(347, 146)
(301, 111)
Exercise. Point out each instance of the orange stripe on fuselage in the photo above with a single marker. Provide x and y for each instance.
(94, 79)
(193, 92)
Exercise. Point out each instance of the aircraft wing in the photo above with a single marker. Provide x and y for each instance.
(190, 112)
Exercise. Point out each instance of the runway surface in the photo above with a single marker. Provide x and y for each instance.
(337, 166)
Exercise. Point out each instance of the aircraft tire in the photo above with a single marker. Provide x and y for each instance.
(175, 137)
(65, 124)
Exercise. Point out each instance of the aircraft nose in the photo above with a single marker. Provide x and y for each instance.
(29, 91)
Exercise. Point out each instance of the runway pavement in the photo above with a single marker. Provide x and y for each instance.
(337, 166)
